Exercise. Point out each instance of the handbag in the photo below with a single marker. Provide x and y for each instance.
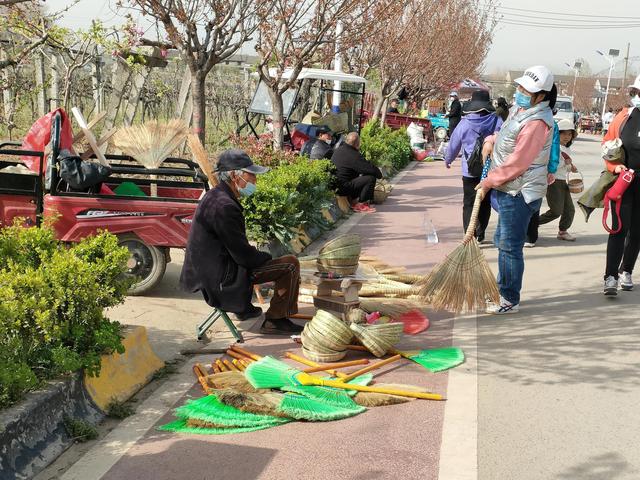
(613, 198)
(81, 175)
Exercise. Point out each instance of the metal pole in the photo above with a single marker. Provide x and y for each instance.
(575, 80)
(337, 66)
(606, 93)
(626, 65)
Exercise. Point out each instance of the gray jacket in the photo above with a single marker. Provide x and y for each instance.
(533, 182)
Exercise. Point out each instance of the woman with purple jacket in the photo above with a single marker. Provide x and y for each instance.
(479, 120)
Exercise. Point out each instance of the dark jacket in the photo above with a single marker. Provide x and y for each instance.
(316, 149)
(454, 115)
(219, 259)
(350, 164)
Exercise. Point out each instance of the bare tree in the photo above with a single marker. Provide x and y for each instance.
(206, 32)
(293, 34)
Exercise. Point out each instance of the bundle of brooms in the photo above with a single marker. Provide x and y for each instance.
(463, 281)
(151, 143)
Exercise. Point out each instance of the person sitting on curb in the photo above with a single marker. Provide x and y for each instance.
(355, 176)
(319, 147)
(220, 262)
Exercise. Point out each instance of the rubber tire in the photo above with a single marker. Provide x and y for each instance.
(438, 135)
(159, 265)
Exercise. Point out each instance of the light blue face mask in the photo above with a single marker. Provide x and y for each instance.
(248, 190)
(635, 101)
(523, 100)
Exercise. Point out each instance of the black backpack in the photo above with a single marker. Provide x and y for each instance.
(475, 162)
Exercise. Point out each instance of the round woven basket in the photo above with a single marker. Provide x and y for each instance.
(311, 341)
(326, 337)
(576, 185)
(377, 341)
(323, 357)
(341, 241)
(357, 315)
(339, 262)
(347, 251)
(345, 270)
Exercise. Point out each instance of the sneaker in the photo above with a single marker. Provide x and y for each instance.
(363, 208)
(529, 244)
(625, 281)
(251, 312)
(502, 308)
(610, 286)
(566, 236)
(280, 326)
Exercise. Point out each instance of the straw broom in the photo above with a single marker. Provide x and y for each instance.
(463, 281)
(201, 157)
(151, 143)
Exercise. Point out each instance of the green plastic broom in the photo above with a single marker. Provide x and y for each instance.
(434, 360)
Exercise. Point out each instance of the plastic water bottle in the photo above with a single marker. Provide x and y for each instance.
(430, 231)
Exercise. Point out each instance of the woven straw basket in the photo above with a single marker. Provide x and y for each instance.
(325, 338)
(378, 340)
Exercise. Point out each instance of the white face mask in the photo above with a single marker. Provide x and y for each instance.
(328, 141)
(635, 101)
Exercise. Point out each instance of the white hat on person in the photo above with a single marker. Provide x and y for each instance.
(565, 124)
(635, 84)
(536, 79)
(453, 94)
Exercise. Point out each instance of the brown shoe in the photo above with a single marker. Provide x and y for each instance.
(280, 326)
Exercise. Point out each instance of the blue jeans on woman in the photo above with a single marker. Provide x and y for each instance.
(510, 236)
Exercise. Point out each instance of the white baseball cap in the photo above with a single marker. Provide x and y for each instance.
(453, 94)
(636, 84)
(536, 79)
(566, 124)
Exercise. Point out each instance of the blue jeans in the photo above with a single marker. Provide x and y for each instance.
(511, 232)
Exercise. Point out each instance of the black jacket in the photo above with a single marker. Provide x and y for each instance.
(219, 258)
(350, 164)
(455, 114)
(316, 149)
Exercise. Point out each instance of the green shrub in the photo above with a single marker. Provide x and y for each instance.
(386, 147)
(80, 430)
(53, 297)
(288, 196)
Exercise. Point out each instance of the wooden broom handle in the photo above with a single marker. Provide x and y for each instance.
(306, 361)
(246, 353)
(331, 366)
(373, 366)
(236, 355)
(473, 222)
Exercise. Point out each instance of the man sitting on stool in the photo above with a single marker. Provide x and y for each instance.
(319, 147)
(355, 177)
(220, 262)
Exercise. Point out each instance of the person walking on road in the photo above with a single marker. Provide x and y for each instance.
(607, 118)
(519, 159)
(558, 194)
(455, 112)
(623, 247)
(478, 122)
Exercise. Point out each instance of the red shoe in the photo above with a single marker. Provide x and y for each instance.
(363, 208)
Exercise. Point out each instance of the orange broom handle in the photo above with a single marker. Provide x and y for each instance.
(230, 366)
(473, 221)
(306, 361)
(246, 353)
(330, 366)
(234, 354)
(373, 366)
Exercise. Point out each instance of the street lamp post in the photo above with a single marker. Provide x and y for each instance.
(611, 56)
(576, 70)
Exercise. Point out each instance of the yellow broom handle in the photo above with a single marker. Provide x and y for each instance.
(330, 366)
(473, 222)
(306, 379)
(306, 361)
(373, 366)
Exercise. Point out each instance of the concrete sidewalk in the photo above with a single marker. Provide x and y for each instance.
(382, 443)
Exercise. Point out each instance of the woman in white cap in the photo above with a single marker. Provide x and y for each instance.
(519, 159)
(621, 254)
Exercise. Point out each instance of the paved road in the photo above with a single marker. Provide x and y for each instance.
(559, 383)
(555, 396)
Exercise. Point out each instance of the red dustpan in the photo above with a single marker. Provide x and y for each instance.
(414, 322)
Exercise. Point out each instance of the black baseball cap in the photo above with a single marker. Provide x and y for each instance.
(323, 129)
(236, 159)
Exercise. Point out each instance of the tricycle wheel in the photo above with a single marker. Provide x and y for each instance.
(440, 133)
(146, 264)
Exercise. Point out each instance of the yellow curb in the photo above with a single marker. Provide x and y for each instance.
(122, 375)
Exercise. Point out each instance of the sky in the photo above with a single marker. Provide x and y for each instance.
(514, 46)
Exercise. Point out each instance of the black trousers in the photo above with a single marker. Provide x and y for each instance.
(361, 187)
(469, 195)
(532, 229)
(623, 247)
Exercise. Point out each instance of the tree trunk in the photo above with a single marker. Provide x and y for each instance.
(384, 110)
(277, 119)
(378, 107)
(199, 105)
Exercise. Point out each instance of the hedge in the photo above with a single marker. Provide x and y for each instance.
(386, 147)
(53, 297)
